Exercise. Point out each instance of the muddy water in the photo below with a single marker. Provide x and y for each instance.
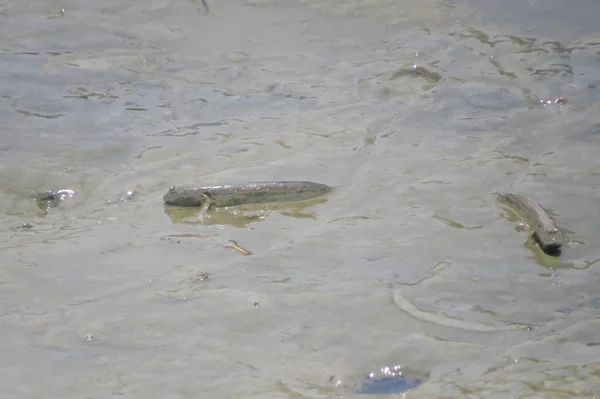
(416, 112)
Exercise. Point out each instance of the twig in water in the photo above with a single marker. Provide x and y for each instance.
(234, 245)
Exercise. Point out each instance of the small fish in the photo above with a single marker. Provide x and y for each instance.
(227, 195)
(542, 224)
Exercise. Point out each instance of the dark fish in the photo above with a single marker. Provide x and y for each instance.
(542, 224)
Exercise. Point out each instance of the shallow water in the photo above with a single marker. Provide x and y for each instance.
(110, 294)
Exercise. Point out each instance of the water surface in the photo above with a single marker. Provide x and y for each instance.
(416, 112)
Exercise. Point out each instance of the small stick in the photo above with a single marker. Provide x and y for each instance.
(234, 245)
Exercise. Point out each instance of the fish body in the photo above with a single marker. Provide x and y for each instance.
(542, 224)
(226, 195)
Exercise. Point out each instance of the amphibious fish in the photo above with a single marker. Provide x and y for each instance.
(189, 195)
(542, 224)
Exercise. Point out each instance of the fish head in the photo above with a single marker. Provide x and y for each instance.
(550, 236)
(550, 240)
(185, 197)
